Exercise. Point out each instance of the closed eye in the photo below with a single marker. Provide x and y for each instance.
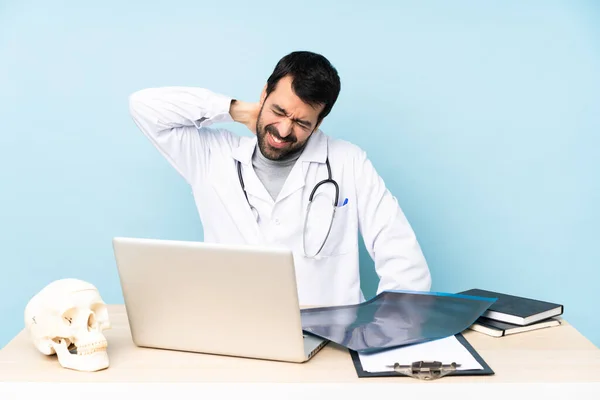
(280, 112)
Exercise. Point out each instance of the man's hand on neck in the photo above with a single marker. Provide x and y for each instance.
(245, 113)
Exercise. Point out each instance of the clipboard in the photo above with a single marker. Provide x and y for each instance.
(487, 370)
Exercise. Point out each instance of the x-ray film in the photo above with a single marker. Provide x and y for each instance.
(395, 318)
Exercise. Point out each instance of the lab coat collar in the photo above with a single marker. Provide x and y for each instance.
(315, 150)
(243, 152)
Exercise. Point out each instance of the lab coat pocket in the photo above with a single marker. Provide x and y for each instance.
(340, 238)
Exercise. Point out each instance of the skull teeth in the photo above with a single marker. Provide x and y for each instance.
(90, 348)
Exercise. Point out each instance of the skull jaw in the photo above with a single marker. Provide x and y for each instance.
(92, 362)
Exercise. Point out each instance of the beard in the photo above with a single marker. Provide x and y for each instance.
(270, 152)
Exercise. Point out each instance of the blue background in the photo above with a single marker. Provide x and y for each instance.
(482, 118)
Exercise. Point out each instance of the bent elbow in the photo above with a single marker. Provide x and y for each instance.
(135, 101)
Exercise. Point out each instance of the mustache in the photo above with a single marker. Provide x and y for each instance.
(273, 131)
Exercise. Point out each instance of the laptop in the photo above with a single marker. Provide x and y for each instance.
(231, 300)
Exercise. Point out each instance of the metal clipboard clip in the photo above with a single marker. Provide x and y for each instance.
(425, 370)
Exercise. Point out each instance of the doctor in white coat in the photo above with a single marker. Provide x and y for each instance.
(256, 189)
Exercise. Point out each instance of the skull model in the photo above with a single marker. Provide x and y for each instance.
(67, 318)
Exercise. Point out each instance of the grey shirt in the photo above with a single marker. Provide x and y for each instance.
(272, 173)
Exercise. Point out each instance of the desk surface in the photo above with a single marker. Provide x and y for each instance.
(558, 354)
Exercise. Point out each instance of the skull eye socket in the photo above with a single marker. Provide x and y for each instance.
(98, 317)
(92, 316)
(100, 311)
(92, 323)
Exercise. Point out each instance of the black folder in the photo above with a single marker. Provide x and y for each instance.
(487, 370)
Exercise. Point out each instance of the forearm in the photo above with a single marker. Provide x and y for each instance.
(238, 110)
(388, 236)
(244, 113)
(158, 109)
(171, 118)
(398, 258)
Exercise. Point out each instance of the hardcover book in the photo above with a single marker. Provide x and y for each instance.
(517, 310)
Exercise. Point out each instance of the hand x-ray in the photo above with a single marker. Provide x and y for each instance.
(395, 318)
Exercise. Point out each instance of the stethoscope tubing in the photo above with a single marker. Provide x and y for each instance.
(310, 199)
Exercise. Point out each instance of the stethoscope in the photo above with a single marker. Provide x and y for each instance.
(310, 199)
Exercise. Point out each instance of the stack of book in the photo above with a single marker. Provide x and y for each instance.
(512, 314)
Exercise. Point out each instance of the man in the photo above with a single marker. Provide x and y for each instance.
(256, 189)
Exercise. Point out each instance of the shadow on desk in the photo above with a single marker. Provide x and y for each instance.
(553, 355)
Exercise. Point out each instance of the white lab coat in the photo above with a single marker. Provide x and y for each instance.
(177, 120)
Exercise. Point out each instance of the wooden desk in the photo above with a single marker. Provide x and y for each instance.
(549, 356)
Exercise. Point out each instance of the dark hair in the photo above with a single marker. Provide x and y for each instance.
(314, 79)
